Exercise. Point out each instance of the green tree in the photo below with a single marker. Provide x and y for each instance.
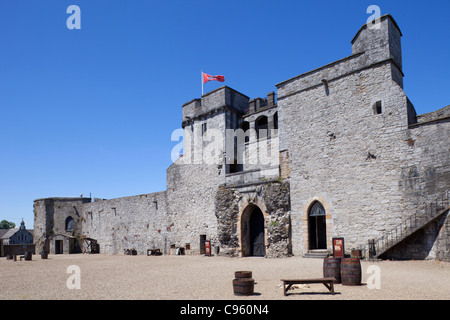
(4, 224)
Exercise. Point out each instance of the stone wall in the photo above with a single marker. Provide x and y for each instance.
(227, 213)
(426, 177)
(231, 207)
(345, 156)
(18, 249)
(430, 242)
(348, 137)
(139, 222)
(190, 196)
(369, 169)
(50, 216)
(341, 152)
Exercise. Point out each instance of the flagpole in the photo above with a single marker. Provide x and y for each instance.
(202, 81)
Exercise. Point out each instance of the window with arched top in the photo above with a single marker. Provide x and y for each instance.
(261, 125)
(316, 210)
(70, 224)
(245, 125)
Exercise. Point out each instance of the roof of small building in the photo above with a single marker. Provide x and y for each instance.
(3, 232)
(9, 232)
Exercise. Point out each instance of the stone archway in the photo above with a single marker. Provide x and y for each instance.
(317, 227)
(253, 232)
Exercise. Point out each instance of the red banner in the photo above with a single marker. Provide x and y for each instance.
(207, 77)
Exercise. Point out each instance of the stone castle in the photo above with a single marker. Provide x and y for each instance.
(353, 160)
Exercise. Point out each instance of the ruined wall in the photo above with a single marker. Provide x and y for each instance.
(227, 214)
(231, 205)
(50, 216)
(42, 224)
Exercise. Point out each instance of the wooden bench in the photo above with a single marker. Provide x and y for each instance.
(327, 282)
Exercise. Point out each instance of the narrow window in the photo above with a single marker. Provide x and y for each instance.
(70, 224)
(245, 125)
(377, 107)
(261, 127)
(275, 120)
(204, 128)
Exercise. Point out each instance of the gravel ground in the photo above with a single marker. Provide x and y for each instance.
(210, 278)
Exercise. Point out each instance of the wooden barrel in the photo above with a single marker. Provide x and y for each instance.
(351, 272)
(44, 254)
(242, 274)
(243, 286)
(28, 255)
(356, 254)
(332, 268)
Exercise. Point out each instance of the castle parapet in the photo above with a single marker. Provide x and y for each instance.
(214, 100)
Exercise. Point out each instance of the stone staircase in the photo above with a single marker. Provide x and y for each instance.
(318, 253)
(377, 247)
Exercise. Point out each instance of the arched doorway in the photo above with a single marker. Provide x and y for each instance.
(317, 227)
(252, 232)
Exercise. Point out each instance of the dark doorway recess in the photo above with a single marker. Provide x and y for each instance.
(202, 243)
(252, 232)
(59, 246)
(317, 227)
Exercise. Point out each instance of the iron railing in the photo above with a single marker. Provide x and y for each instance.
(375, 247)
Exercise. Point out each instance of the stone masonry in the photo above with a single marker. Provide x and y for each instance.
(353, 160)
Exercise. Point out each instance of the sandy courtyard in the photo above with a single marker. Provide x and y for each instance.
(209, 278)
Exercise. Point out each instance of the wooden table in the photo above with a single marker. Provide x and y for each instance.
(327, 282)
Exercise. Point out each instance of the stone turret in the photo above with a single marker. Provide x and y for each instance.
(380, 41)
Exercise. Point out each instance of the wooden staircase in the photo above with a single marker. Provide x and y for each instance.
(377, 247)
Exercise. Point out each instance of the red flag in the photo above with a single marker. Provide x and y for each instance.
(207, 77)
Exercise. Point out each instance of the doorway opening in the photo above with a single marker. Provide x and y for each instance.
(59, 246)
(253, 232)
(317, 227)
(202, 243)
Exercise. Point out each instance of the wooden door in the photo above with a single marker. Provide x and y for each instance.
(257, 243)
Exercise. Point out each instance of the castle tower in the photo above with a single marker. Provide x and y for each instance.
(205, 122)
(380, 42)
(57, 224)
(340, 125)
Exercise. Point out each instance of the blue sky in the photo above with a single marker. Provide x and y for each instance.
(92, 110)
